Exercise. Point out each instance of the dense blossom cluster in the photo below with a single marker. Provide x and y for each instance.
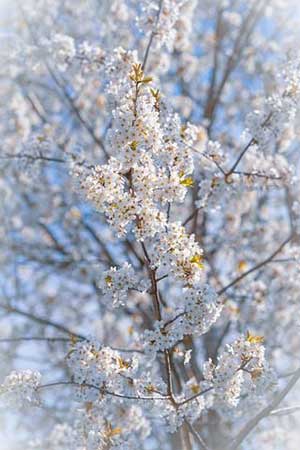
(201, 309)
(117, 282)
(242, 363)
(179, 254)
(98, 435)
(62, 49)
(96, 367)
(20, 388)
(150, 166)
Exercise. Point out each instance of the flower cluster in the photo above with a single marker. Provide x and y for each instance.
(189, 411)
(96, 367)
(20, 388)
(179, 254)
(201, 309)
(61, 48)
(93, 430)
(91, 56)
(268, 126)
(117, 66)
(160, 17)
(162, 337)
(117, 282)
(170, 21)
(183, 25)
(240, 366)
(150, 164)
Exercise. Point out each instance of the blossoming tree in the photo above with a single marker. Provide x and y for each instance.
(150, 224)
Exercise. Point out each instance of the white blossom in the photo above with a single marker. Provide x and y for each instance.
(21, 388)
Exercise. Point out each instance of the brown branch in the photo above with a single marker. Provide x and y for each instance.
(156, 304)
(100, 389)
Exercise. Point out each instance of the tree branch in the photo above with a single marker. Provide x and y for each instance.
(264, 413)
(257, 267)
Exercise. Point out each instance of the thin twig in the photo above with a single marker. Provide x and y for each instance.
(41, 320)
(195, 396)
(32, 158)
(246, 430)
(152, 35)
(257, 267)
(34, 338)
(100, 389)
(62, 339)
(244, 151)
